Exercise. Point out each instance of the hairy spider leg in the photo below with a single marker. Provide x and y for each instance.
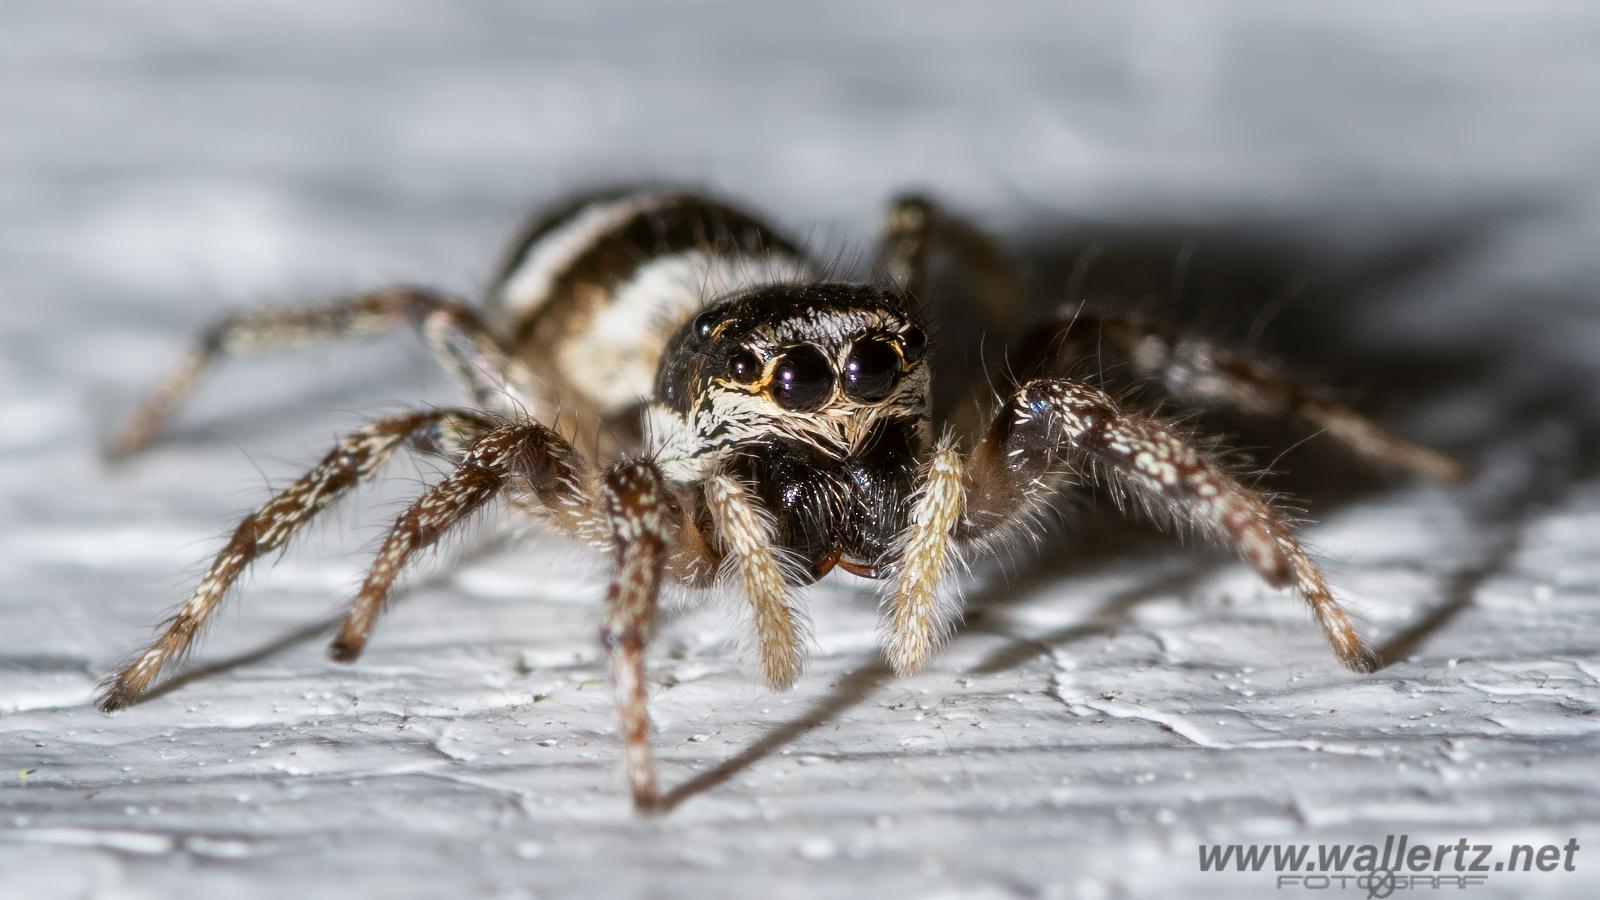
(356, 458)
(1051, 429)
(1129, 350)
(454, 333)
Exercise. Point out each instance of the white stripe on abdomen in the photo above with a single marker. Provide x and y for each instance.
(613, 361)
(528, 286)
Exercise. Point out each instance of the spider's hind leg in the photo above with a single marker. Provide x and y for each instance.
(454, 333)
(1131, 350)
(915, 228)
(916, 234)
(354, 459)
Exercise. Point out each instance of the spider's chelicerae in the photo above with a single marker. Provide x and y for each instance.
(757, 424)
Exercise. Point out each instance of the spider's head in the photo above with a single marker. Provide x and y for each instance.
(819, 364)
(816, 396)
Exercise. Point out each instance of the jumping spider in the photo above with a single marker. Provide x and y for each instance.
(768, 426)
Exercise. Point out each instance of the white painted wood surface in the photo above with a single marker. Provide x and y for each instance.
(1093, 724)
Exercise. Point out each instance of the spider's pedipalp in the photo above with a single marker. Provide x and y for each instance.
(356, 458)
(917, 622)
(747, 537)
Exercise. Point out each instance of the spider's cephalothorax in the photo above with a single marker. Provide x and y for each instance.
(670, 379)
(814, 395)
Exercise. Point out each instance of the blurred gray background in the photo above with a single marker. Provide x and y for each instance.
(1401, 198)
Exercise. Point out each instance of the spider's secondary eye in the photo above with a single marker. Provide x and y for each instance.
(744, 367)
(802, 380)
(871, 370)
(914, 342)
(705, 322)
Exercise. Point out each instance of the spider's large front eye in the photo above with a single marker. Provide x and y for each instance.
(744, 367)
(802, 380)
(871, 370)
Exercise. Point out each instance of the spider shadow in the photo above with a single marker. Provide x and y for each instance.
(1246, 277)
(1107, 618)
(1318, 310)
(852, 689)
(1505, 508)
(860, 684)
(1302, 332)
(1250, 286)
(304, 634)
(323, 627)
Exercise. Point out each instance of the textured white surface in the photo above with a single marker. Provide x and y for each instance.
(1101, 715)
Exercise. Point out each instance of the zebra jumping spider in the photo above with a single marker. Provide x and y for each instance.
(763, 426)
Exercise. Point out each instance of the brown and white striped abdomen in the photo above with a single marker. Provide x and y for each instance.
(591, 295)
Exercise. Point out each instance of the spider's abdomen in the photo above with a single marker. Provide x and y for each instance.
(592, 293)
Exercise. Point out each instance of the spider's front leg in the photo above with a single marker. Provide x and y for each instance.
(639, 512)
(631, 505)
(455, 334)
(1048, 428)
(1051, 421)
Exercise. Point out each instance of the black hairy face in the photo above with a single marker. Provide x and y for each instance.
(815, 396)
(826, 508)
